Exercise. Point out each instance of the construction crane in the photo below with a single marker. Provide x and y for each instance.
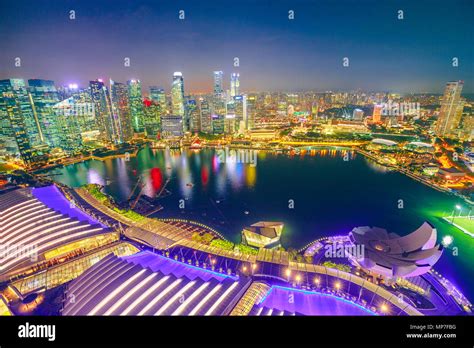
(134, 188)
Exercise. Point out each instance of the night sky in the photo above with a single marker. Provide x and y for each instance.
(386, 54)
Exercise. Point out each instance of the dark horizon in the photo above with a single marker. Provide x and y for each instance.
(412, 55)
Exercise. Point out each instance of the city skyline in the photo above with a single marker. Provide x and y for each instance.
(275, 53)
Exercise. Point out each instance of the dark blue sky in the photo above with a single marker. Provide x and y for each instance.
(411, 55)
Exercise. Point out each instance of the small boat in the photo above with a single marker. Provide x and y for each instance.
(246, 212)
(190, 184)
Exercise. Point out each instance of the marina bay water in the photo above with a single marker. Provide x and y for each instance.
(319, 193)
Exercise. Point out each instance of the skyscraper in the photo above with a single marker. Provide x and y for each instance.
(171, 126)
(121, 111)
(177, 94)
(17, 120)
(251, 111)
(218, 83)
(103, 111)
(157, 95)
(192, 115)
(67, 119)
(152, 120)
(234, 84)
(45, 96)
(136, 105)
(205, 115)
(377, 113)
(451, 109)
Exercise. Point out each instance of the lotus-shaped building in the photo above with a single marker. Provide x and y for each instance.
(393, 256)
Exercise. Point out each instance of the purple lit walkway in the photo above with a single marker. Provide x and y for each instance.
(165, 265)
(281, 299)
(53, 198)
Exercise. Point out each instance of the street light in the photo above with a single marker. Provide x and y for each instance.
(458, 207)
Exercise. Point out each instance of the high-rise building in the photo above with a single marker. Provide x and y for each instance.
(218, 83)
(192, 115)
(121, 111)
(20, 130)
(251, 111)
(218, 122)
(451, 110)
(136, 105)
(205, 115)
(67, 114)
(377, 113)
(234, 84)
(177, 94)
(103, 110)
(172, 126)
(158, 96)
(152, 119)
(45, 96)
(357, 114)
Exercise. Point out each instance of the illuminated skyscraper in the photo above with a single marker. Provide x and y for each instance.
(177, 94)
(67, 118)
(251, 111)
(136, 105)
(218, 83)
(192, 115)
(451, 110)
(357, 114)
(205, 115)
(152, 120)
(17, 120)
(45, 96)
(377, 114)
(121, 111)
(234, 84)
(103, 111)
(157, 95)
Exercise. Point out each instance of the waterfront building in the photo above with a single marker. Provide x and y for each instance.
(251, 110)
(263, 234)
(103, 110)
(21, 131)
(136, 105)
(218, 83)
(44, 96)
(121, 112)
(67, 115)
(392, 256)
(158, 96)
(205, 116)
(42, 227)
(192, 115)
(383, 144)
(152, 112)
(167, 281)
(234, 84)
(171, 126)
(218, 124)
(177, 95)
(451, 110)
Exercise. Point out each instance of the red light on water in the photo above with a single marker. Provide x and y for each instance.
(156, 178)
